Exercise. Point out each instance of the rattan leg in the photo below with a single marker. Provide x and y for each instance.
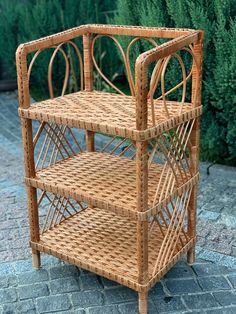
(34, 223)
(191, 256)
(36, 259)
(192, 225)
(90, 141)
(143, 302)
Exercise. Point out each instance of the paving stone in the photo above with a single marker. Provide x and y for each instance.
(110, 309)
(229, 310)
(209, 269)
(23, 266)
(179, 286)
(73, 312)
(84, 272)
(49, 260)
(120, 294)
(26, 306)
(6, 269)
(90, 282)
(63, 271)
(132, 308)
(232, 279)
(229, 261)
(157, 291)
(225, 297)
(184, 271)
(208, 215)
(55, 303)
(108, 283)
(87, 298)
(33, 291)
(213, 283)
(8, 295)
(64, 285)
(169, 304)
(200, 301)
(8, 281)
(33, 276)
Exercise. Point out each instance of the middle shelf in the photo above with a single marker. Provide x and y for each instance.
(101, 179)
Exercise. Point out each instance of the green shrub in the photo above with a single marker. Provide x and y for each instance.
(217, 19)
(32, 19)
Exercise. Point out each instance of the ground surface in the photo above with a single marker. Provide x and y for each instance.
(207, 287)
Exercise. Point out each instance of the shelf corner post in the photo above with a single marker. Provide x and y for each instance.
(141, 91)
(88, 80)
(27, 137)
(195, 141)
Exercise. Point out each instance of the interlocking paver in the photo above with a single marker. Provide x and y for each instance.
(119, 294)
(225, 297)
(132, 308)
(213, 283)
(87, 298)
(183, 271)
(200, 301)
(8, 295)
(33, 276)
(64, 285)
(26, 306)
(52, 304)
(232, 279)
(90, 282)
(228, 310)
(178, 286)
(207, 287)
(59, 272)
(169, 304)
(111, 309)
(34, 290)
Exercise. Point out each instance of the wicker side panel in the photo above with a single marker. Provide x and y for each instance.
(116, 146)
(53, 142)
(54, 209)
(171, 222)
(171, 149)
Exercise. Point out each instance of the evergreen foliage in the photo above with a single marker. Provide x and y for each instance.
(22, 21)
(217, 19)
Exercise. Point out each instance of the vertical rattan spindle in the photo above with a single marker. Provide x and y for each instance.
(27, 138)
(194, 142)
(142, 183)
(88, 80)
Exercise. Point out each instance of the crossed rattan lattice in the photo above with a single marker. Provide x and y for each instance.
(124, 206)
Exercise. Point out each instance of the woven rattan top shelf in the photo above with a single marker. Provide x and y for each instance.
(100, 179)
(108, 113)
(100, 241)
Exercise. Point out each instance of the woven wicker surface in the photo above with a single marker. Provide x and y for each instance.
(102, 242)
(105, 112)
(98, 178)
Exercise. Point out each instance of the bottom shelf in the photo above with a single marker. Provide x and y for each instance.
(101, 242)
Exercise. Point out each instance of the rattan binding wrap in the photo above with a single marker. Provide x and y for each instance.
(125, 209)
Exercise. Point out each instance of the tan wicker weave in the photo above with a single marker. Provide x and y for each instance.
(126, 210)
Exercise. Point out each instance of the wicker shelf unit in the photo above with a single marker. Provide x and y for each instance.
(124, 208)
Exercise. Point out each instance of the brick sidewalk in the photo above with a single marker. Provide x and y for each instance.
(209, 286)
